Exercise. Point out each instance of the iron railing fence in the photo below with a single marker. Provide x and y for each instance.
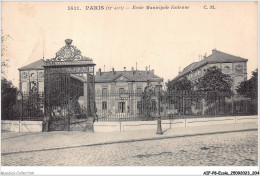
(185, 104)
(29, 107)
(140, 106)
(125, 107)
(170, 105)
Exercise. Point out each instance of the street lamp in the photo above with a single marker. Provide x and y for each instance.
(19, 98)
(159, 122)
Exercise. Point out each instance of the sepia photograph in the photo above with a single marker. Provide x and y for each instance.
(128, 83)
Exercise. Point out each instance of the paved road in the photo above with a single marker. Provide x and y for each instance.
(236, 149)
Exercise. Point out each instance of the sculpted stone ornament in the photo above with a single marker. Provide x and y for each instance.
(69, 53)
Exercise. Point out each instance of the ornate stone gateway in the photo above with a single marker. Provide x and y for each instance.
(69, 91)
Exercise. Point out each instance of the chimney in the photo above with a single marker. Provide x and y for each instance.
(113, 71)
(149, 67)
(133, 71)
(214, 51)
(99, 72)
(205, 56)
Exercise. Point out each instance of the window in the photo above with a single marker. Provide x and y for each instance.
(41, 86)
(121, 90)
(121, 107)
(104, 105)
(33, 87)
(139, 106)
(24, 75)
(104, 92)
(139, 90)
(41, 75)
(24, 87)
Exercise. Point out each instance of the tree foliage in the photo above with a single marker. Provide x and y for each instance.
(179, 85)
(146, 105)
(8, 98)
(249, 88)
(215, 81)
(8, 90)
(4, 61)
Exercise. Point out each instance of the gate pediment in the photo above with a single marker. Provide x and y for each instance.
(69, 55)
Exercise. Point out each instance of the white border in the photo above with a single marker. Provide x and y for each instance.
(174, 170)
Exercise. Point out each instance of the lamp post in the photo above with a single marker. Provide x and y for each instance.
(159, 122)
(19, 97)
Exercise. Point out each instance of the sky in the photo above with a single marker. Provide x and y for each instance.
(167, 40)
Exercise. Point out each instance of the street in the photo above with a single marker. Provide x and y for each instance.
(228, 149)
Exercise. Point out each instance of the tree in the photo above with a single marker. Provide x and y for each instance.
(180, 85)
(215, 81)
(8, 100)
(214, 87)
(174, 96)
(249, 88)
(147, 106)
(8, 90)
(4, 62)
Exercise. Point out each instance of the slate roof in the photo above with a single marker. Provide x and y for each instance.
(215, 57)
(131, 76)
(37, 65)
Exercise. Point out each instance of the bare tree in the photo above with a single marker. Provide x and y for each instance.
(4, 61)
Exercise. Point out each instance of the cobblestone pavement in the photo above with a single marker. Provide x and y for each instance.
(17, 142)
(236, 149)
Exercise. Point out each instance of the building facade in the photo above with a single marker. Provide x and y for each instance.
(234, 66)
(118, 93)
(31, 77)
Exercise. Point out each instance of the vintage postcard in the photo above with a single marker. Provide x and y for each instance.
(129, 84)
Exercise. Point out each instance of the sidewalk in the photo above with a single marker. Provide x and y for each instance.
(27, 142)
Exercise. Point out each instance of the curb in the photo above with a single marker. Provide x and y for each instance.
(130, 140)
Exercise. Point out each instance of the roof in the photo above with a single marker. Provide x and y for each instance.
(215, 57)
(128, 76)
(79, 77)
(37, 65)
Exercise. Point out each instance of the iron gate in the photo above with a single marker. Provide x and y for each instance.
(69, 91)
